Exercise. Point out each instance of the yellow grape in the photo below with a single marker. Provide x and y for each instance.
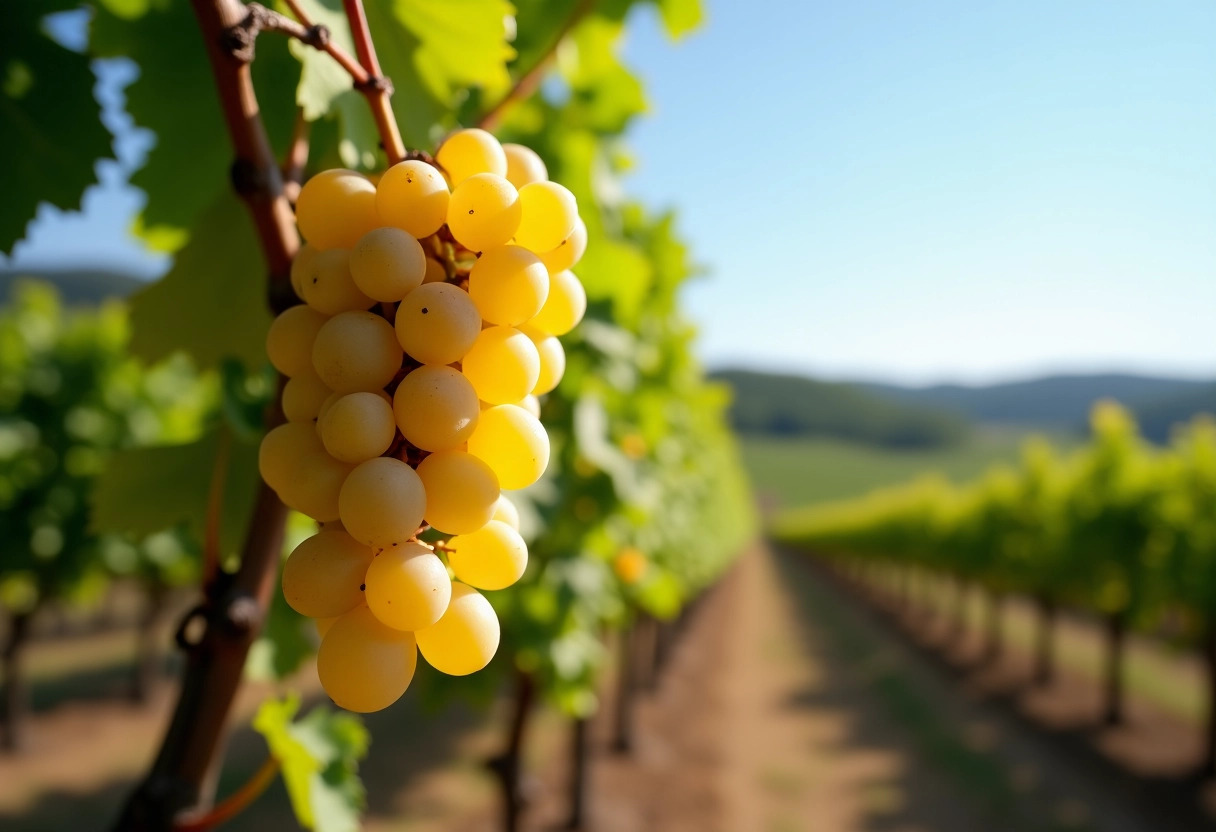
(382, 502)
(552, 359)
(461, 491)
(469, 152)
(333, 397)
(493, 557)
(524, 166)
(435, 272)
(530, 404)
(387, 264)
(323, 625)
(509, 285)
(290, 337)
(329, 287)
(548, 213)
(363, 665)
(301, 265)
(513, 443)
(303, 396)
(356, 351)
(506, 512)
(437, 323)
(408, 587)
(315, 491)
(357, 427)
(569, 252)
(413, 196)
(436, 408)
(283, 449)
(502, 364)
(324, 408)
(465, 639)
(323, 576)
(564, 307)
(484, 212)
(336, 208)
(629, 565)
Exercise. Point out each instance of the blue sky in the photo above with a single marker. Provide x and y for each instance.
(923, 191)
(915, 191)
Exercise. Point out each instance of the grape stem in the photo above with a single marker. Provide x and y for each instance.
(357, 73)
(378, 89)
(236, 802)
(364, 73)
(296, 159)
(525, 85)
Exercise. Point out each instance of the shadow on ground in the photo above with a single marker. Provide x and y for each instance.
(975, 761)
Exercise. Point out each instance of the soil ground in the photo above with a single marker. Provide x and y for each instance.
(790, 706)
(788, 703)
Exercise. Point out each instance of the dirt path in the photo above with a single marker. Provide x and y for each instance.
(789, 707)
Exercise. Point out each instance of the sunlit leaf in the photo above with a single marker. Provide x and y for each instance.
(319, 757)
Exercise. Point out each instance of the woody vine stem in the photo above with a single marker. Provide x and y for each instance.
(216, 635)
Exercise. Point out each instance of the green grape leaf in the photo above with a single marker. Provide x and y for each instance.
(592, 424)
(461, 43)
(359, 147)
(661, 594)
(680, 16)
(244, 398)
(396, 47)
(319, 757)
(49, 121)
(431, 49)
(175, 97)
(537, 22)
(606, 95)
(211, 303)
(322, 79)
(145, 490)
(618, 272)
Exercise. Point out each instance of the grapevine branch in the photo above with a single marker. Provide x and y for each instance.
(527, 83)
(357, 73)
(183, 773)
(258, 18)
(378, 90)
(365, 73)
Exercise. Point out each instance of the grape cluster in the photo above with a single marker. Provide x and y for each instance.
(432, 304)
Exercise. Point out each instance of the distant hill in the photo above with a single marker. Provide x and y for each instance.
(895, 416)
(79, 287)
(1057, 401)
(788, 405)
(1158, 419)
